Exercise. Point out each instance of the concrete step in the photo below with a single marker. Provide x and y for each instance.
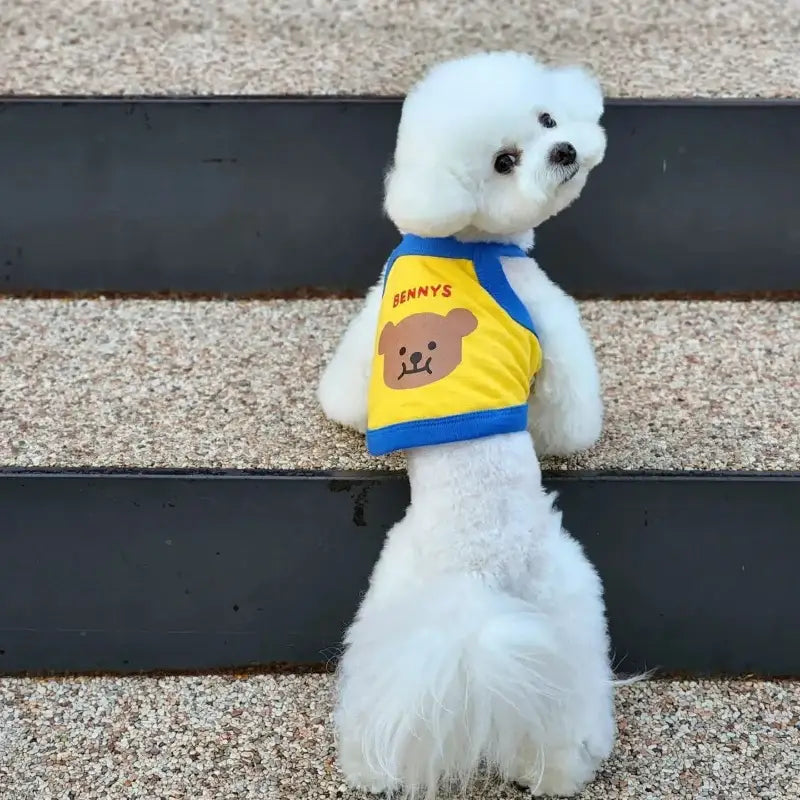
(218, 384)
(198, 196)
(679, 48)
(166, 468)
(174, 500)
(270, 737)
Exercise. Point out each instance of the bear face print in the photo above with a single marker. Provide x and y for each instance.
(423, 348)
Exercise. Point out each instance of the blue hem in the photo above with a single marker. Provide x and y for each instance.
(444, 430)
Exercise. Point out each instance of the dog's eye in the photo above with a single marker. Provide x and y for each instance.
(431, 345)
(402, 351)
(546, 121)
(505, 162)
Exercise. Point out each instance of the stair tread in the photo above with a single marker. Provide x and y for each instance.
(271, 736)
(706, 385)
(677, 48)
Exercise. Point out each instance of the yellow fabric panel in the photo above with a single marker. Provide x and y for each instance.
(444, 346)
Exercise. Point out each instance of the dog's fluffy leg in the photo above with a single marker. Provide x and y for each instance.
(563, 769)
(344, 384)
(566, 406)
(435, 680)
(567, 772)
(569, 755)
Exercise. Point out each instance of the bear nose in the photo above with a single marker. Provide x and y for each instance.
(415, 358)
(563, 154)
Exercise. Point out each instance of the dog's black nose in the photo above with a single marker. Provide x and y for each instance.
(415, 358)
(563, 154)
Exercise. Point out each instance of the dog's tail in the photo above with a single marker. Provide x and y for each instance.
(441, 682)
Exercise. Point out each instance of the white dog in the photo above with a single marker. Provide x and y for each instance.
(481, 642)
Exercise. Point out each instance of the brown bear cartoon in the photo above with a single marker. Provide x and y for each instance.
(423, 348)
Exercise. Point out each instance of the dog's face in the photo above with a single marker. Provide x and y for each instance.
(423, 348)
(494, 142)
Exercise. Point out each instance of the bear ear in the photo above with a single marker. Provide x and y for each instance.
(427, 200)
(462, 321)
(383, 341)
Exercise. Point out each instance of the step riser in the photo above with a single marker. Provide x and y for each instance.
(252, 195)
(125, 572)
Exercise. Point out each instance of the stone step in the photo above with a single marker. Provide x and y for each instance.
(735, 48)
(270, 737)
(703, 385)
(138, 537)
(173, 499)
(199, 197)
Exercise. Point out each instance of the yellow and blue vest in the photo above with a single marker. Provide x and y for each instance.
(455, 351)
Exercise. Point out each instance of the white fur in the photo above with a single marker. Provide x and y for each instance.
(481, 642)
(481, 639)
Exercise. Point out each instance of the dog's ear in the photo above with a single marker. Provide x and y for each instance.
(579, 90)
(384, 340)
(462, 321)
(427, 200)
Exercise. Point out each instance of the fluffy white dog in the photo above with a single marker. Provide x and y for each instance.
(481, 642)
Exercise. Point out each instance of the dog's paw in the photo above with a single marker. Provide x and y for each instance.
(343, 402)
(566, 772)
(560, 786)
(370, 784)
(360, 776)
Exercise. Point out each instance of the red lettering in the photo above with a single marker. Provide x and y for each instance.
(414, 292)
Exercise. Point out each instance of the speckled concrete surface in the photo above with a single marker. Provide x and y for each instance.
(639, 47)
(269, 738)
(688, 385)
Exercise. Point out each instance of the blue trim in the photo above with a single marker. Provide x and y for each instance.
(450, 247)
(493, 278)
(455, 428)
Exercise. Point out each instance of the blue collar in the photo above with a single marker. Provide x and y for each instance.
(450, 247)
(488, 269)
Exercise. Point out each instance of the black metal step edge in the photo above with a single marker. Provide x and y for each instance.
(247, 195)
(113, 570)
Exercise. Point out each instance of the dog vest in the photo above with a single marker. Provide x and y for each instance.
(455, 352)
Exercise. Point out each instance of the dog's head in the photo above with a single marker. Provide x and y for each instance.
(494, 143)
(423, 348)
